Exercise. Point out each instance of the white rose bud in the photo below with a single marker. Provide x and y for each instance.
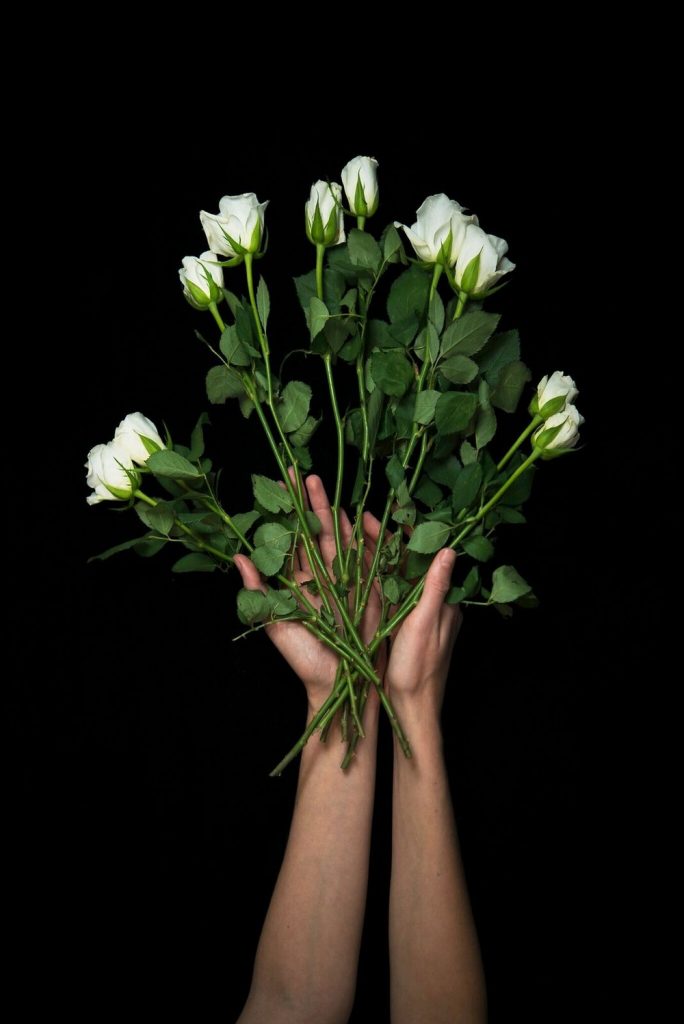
(481, 261)
(560, 432)
(360, 180)
(439, 231)
(138, 437)
(554, 393)
(107, 465)
(202, 279)
(324, 216)
(238, 227)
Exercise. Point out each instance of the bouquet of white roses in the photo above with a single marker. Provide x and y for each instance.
(432, 374)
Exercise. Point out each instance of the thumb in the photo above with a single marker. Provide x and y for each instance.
(249, 572)
(437, 584)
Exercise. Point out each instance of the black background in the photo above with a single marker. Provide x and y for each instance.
(150, 835)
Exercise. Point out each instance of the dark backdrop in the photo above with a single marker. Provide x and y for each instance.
(150, 834)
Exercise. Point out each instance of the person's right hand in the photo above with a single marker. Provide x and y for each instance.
(421, 648)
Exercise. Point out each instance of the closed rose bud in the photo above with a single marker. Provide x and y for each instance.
(439, 231)
(202, 279)
(323, 213)
(554, 393)
(107, 467)
(560, 432)
(138, 437)
(481, 261)
(360, 181)
(238, 227)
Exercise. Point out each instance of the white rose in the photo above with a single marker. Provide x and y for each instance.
(202, 279)
(569, 421)
(437, 235)
(324, 216)
(240, 220)
(107, 465)
(492, 265)
(360, 180)
(557, 386)
(128, 435)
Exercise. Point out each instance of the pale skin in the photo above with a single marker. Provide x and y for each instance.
(307, 958)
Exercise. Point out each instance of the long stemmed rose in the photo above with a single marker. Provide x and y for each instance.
(433, 376)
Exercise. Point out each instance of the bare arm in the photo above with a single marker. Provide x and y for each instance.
(436, 970)
(306, 963)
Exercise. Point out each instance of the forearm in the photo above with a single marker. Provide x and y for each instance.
(307, 959)
(436, 970)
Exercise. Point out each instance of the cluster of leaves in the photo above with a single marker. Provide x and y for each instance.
(475, 374)
(433, 385)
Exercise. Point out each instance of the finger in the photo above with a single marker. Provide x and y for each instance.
(371, 530)
(250, 574)
(450, 621)
(320, 506)
(437, 586)
(346, 528)
(301, 559)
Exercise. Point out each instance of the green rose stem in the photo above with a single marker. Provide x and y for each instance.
(213, 309)
(339, 430)
(361, 222)
(296, 497)
(516, 444)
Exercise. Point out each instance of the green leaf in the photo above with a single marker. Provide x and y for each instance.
(233, 349)
(168, 463)
(444, 471)
(467, 589)
(406, 515)
(428, 492)
(485, 426)
(454, 411)
(425, 406)
(408, 296)
(303, 456)
(318, 316)
(302, 435)
(246, 331)
(390, 588)
(160, 518)
(274, 534)
(196, 562)
(263, 302)
(468, 334)
(145, 546)
(509, 386)
(363, 250)
(478, 547)
(509, 515)
(468, 453)
(281, 603)
(223, 383)
(521, 488)
(395, 472)
(392, 372)
(500, 349)
(429, 537)
(252, 606)
(313, 521)
(293, 407)
(245, 520)
(459, 369)
(508, 585)
(197, 437)
(268, 560)
(436, 312)
(392, 247)
(270, 495)
(467, 487)
(305, 286)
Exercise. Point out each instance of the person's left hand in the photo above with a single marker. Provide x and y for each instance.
(309, 657)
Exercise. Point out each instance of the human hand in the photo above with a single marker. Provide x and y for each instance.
(421, 648)
(309, 657)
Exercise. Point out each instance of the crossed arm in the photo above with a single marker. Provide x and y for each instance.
(307, 958)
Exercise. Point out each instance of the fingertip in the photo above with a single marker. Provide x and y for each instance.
(447, 559)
